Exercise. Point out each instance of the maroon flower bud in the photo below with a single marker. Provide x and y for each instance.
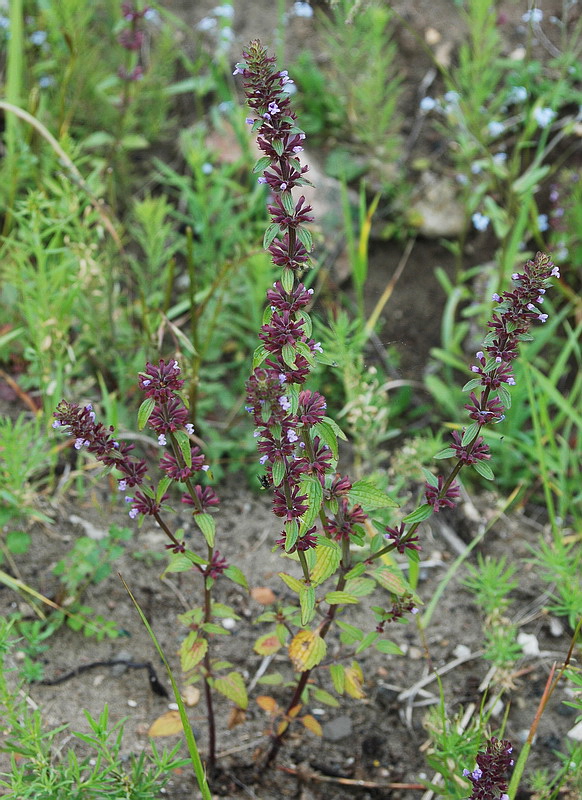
(207, 498)
(161, 381)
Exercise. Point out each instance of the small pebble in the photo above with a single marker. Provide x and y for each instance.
(132, 703)
(575, 732)
(556, 627)
(229, 623)
(337, 729)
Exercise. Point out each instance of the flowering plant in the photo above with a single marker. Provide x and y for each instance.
(324, 515)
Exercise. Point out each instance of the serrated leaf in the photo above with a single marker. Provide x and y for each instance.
(420, 514)
(312, 724)
(390, 580)
(278, 146)
(448, 452)
(162, 488)
(306, 650)
(335, 428)
(182, 562)
(288, 280)
(291, 534)
(325, 697)
(294, 584)
(145, 412)
(267, 703)
(335, 598)
(312, 487)
(304, 237)
(192, 651)
(338, 677)
(390, 648)
(184, 444)
(223, 611)
(307, 602)
(236, 575)
(328, 436)
(262, 163)
(327, 560)
(274, 679)
(367, 641)
(360, 587)
(430, 477)
(355, 634)
(354, 681)
(470, 434)
(369, 497)
(288, 354)
(207, 525)
(169, 724)
(483, 468)
(287, 201)
(356, 571)
(233, 687)
(270, 235)
(267, 644)
(259, 356)
(278, 472)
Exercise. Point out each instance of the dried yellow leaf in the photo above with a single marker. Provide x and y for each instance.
(168, 724)
(306, 650)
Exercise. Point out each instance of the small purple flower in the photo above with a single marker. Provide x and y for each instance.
(439, 498)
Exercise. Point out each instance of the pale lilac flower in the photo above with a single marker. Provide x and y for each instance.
(533, 15)
(302, 10)
(427, 104)
(543, 116)
(480, 221)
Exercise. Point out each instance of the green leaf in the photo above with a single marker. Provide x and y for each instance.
(470, 385)
(470, 434)
(208, 527)
(356, 571)
(448, 452)
(287, 201)
(259, 356)
(335, 598)
(236, 575)
(184, 444)
(291, 534)
(212, 627)
(278, 472)
(233, 687)
(162, 488)
(294, 584)
(278, 146)
(270, 235)
(360, 587)
(369, 497)
(325, 697)
(312, 487)
(192, 651)
(307, 602)
(420, 514)
(351, 632)
(305, 238)
(182, 562)
(262, 164)
(288, 280)
(385, 646)
(288, 353)
(483, 468)
(327, 558)
(335, 428)
(145, 412)
(328, 436)
(367, 641)
(338, 677)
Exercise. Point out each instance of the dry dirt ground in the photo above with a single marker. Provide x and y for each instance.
(379, 740)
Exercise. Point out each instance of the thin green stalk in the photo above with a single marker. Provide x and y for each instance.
(14, 72)
(188, 733)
